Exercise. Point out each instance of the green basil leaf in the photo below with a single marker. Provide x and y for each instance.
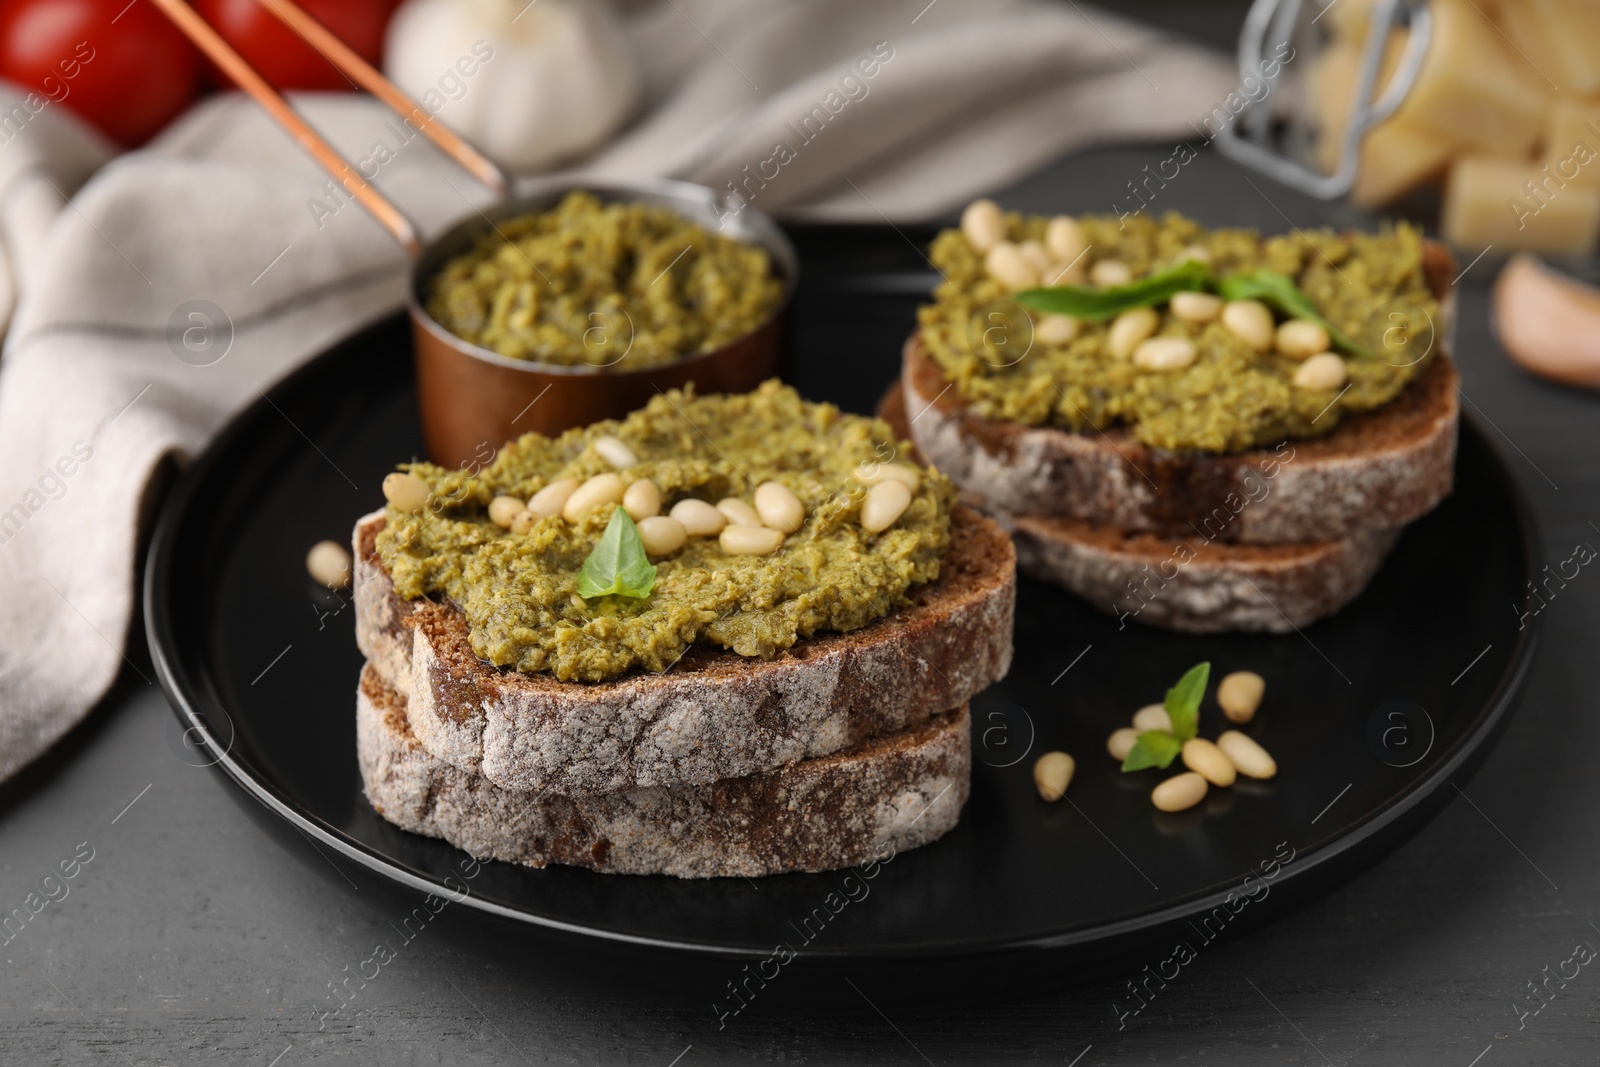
(1094, 305)
(1183, 700)
(1281, 293)
(1155, 748)
(618, 563)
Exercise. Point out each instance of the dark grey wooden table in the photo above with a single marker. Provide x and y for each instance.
(188, 935)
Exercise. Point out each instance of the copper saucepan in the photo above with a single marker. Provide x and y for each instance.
(469, 397)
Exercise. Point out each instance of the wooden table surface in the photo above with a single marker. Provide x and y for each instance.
(189, 935)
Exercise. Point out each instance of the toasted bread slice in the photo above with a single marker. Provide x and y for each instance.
(1194, 584)
(1378, 469)
(868, 802)
(715, 714)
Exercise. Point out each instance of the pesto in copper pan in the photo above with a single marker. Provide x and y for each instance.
(607, 285)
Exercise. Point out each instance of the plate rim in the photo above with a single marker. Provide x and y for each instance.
(183, 695)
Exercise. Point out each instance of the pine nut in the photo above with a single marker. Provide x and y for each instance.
(1180, 792)
(1240, 694)
(1251, 322)
(1164, 353)
(552, 498)
(661, 534)
(1152, 717)
(1195, 308)
(1321, 373)
(884, 505)
(699, 518)
(1007, 265)
(1052, 773)
(1208, 761)
(328, 563)
(1198, 253)
(1130, 329)
(983, 224)
(597, 492)
(737, 512)
(779, 508)
(1251, 759)
(739, 540)
(615, 452)
(1121, 742)
(1064, 238)
(1057, 329)
(1109, 272)
(642, 499)
(523, 521)
(1301, 339)
(1069, 273)
(502, 509)
(873, 473)
(405, 492)
(1037, 257)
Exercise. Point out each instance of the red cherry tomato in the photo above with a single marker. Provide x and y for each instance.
(121, 66)
(278, 53)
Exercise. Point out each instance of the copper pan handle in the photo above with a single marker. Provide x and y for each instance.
(233, 64)
(372, 80)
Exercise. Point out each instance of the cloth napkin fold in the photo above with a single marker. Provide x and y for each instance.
(179, 282)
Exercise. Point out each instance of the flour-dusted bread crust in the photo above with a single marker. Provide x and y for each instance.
(1193, 584)
(1197, 586)
(715, 714)
(1378, 469)
(873, 800)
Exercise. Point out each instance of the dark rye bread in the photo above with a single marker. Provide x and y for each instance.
(1381, 468)
(1194, 584)
(875, 799)
(715, 714)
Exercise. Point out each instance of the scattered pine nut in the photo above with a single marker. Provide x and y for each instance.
(405, 492)
(1180, 792)
(1208, 761)
(884, 505)
(615, 452)
(328, 563)
(1052, 773)
(1152, 717)
(1251, 759)
(502, 509)
(1240, 694)
(1121, 742)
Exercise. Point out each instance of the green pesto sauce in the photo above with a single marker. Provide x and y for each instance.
(589, 283)
(1231, 398)
(519, 592)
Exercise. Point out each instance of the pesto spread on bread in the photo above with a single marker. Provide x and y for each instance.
(1196, 340)
(598, 284)
(766, 519)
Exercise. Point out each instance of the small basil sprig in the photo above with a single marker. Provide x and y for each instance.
(1280, 292)
(1158, 748)
(1095, 305)
(618, 563)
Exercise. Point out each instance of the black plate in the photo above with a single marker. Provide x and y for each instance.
(1371, 714)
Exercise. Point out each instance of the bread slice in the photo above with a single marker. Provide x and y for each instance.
(1194, 584)
(715, 714)
(870, 801)
(1381, 468)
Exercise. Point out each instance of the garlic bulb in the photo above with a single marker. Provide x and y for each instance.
(532, 85)
(1548, 322)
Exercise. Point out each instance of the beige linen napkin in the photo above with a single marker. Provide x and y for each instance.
(217, 220)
